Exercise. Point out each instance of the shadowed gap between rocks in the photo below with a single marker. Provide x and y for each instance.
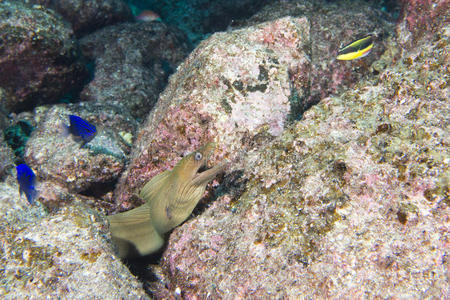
(100, 189)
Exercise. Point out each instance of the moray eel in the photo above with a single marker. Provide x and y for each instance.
(170, 198)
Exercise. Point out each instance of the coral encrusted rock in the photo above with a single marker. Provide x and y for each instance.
(65, 254)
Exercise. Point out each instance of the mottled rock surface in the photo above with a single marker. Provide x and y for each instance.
(332, 26)
(6, 158)
(233, 89)
(66, 254)
(4, 120)
(132, 63)
(61, 159)
(350, 202)
(88, 16)
(39, 59)
(419, 19)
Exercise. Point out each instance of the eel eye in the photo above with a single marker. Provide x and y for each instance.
(198, 156)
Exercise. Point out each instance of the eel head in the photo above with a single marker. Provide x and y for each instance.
(191, 167)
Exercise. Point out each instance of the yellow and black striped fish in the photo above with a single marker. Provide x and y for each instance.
(356, 49)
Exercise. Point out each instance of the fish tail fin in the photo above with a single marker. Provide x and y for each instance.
(65, 129)
(31, 195)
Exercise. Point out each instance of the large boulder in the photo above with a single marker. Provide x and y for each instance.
(92, 168)
(88, 16)
(65, 254)
(132, 63)
(39, 59)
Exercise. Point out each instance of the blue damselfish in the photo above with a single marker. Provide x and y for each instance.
(81, 128)
(27, 180)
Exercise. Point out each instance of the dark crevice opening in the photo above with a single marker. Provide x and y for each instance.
(100, 189)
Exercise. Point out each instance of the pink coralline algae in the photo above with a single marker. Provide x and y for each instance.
(421, 18)
(233, 89)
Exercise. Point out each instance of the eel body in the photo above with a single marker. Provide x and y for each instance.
(170, 198)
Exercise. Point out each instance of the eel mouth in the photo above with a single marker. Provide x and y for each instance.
(205, 174)
(203, 168)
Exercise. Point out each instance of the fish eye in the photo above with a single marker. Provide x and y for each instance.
(198, 156)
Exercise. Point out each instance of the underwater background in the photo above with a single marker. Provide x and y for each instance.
(328, 172)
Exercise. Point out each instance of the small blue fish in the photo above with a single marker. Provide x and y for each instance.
(81, 128)
(27, 180)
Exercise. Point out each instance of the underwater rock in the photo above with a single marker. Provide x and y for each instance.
(88, 16)
(66, 254)
(333, 24)
(39, 59)
(352, 201)
(6, 158)
(420, 18)
(233, 89)
(132, 63)
(63, 159)
(4, 115)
